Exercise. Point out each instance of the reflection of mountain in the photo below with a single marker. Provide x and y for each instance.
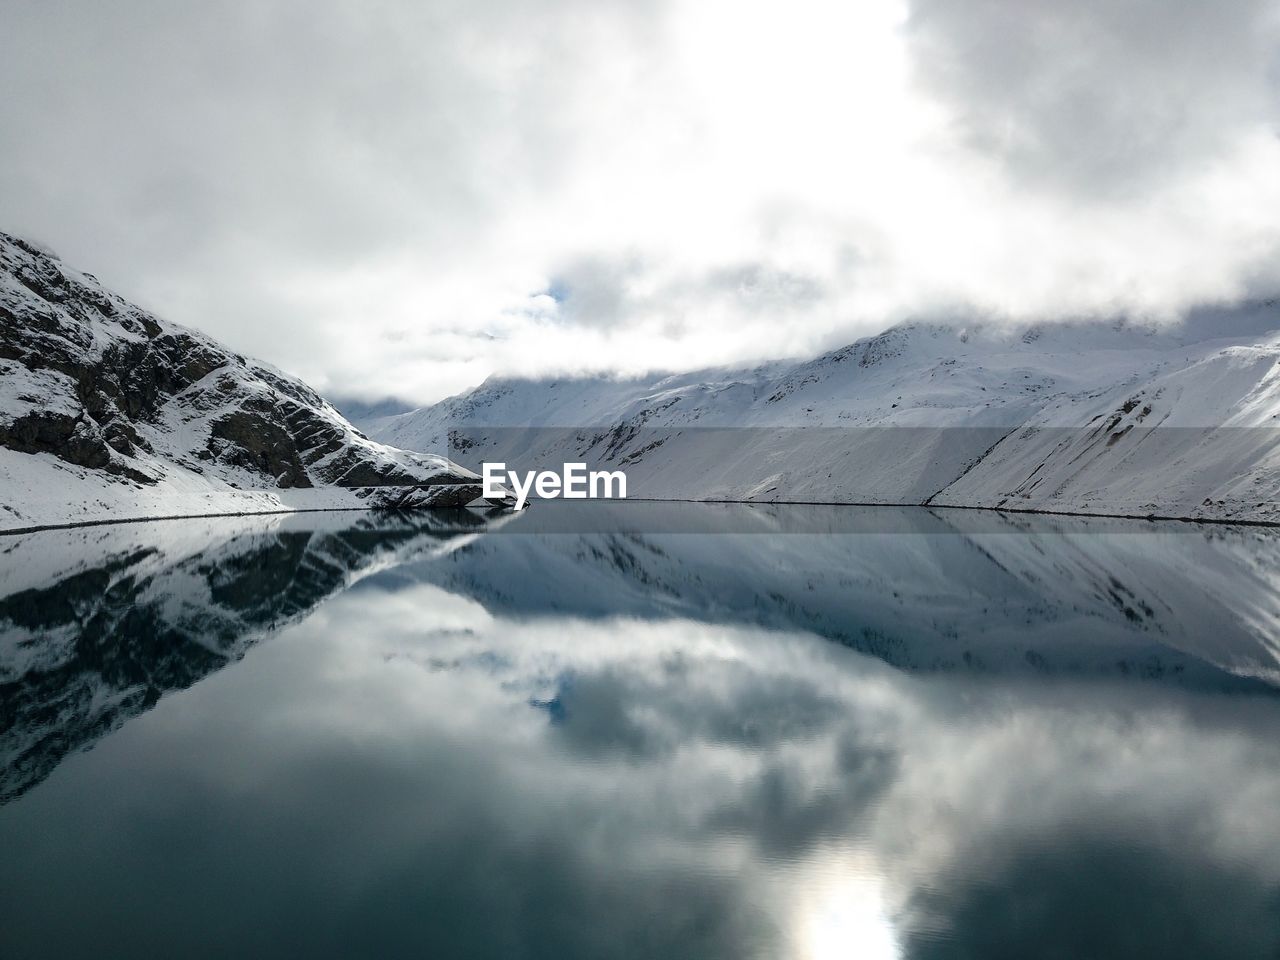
(85, 644)
(607, 734)
(97, 624)
(926, 591)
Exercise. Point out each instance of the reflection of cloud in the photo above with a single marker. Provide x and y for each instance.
(986, 820)
(379, 774)
(1091, 822)
(1107, 893)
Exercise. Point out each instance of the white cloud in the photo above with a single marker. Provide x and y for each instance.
(402, 198)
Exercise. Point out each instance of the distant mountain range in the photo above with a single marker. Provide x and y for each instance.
(109, 413)
(1090, 417)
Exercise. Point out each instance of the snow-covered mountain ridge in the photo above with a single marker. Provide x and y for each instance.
(109, 413)
(1106, 418)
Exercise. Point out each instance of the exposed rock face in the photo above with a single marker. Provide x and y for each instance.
(101, 384)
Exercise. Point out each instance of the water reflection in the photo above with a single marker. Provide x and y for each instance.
(624, 744)
(96, 624)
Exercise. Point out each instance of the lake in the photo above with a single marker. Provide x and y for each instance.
(641, 730)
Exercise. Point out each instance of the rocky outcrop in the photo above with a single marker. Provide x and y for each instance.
(101, 384)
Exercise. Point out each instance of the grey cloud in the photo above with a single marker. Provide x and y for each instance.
(609, 291)
(330, 117)
(297, 178)
(195, 157)
(758, 286)
(1100, 97)
(594, 290)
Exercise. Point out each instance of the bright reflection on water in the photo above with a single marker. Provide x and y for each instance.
(429, 736)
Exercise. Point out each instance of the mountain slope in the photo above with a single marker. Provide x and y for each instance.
(107, 412)
(1088, 418)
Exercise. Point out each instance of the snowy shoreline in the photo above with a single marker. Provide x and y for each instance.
(1152, 518)
(18, 531)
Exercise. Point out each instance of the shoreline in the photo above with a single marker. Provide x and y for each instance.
(1153, 518)
(39, 528)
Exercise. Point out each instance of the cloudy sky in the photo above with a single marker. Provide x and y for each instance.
(399, 198)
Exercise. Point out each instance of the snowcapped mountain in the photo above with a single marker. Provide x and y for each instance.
(1109, 418)
(108, 413)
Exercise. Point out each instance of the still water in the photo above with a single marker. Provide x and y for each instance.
(641, 731)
